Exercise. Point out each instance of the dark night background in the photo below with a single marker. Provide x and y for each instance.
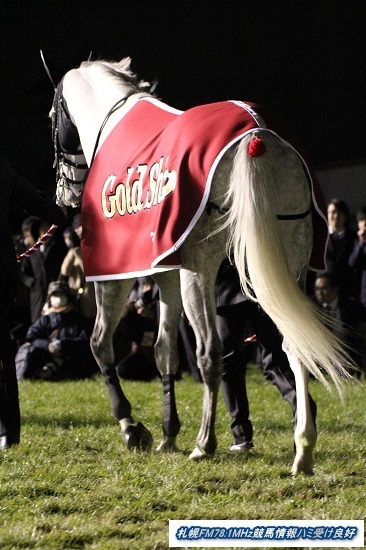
(303, 59)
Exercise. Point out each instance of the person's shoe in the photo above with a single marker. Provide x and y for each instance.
(48, 371)
(8, 440)
(241, 447)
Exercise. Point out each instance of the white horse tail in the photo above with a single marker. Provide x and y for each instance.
(262, 259)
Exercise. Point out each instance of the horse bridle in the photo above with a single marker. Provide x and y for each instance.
(66, 140)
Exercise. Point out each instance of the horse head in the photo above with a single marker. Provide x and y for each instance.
(106, 82)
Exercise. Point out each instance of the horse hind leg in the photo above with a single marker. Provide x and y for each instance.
(199, 305)
(305, 434)
(202, 254)
(111, 298)
(296, 237)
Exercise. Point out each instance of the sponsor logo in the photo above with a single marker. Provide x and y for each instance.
(151, 186)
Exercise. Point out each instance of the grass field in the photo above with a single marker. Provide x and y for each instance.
(71, 483)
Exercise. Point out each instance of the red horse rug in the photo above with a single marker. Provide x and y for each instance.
(150, 182)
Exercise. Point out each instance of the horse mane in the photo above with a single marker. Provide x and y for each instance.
(122, 71)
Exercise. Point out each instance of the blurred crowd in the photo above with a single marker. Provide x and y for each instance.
(341, 291)
(54, 312)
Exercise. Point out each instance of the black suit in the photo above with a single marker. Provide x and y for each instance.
(339, 250)
(348, 312)
(237, 318)
(357, 261)
(14, 191)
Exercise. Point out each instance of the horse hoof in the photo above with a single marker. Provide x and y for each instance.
(302, 467)
(308, 471)
(167, 445)
(295, 473)
(304, 461)
(197, 454)
(146, 439)
(130, 438)
(138, 438)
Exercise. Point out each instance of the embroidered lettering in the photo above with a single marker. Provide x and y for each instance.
(129, 197)
(108, 206)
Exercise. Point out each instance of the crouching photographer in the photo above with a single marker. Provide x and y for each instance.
(57, 343)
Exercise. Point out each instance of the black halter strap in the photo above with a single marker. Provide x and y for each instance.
(213, 206)
(114, 108)
(294, 216)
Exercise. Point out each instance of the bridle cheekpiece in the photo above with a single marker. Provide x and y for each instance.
(66, 143)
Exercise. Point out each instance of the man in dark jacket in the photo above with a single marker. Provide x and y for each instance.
(237, 318)
(16, 191)
(357, 260)
(344, 312)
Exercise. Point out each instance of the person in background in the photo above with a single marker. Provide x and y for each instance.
(344, 312)
(15, 191)
(238, 318)
(70, 238)
(357, 259)
(20, 311)
(59, 341)
(136, 333)
(39, 269)
(72, 272)
(340, 246)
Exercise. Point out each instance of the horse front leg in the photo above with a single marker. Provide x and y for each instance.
(111, 297)
(305, 431)
(166, 353)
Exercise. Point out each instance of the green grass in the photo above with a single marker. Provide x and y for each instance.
(72, 484)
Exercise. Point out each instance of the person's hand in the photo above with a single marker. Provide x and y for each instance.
(361, 233)
(146, 312)
(54, 347)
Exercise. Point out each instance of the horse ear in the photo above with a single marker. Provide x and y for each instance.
(47, 69)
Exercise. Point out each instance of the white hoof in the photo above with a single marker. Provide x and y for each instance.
(303, 465)
(307, 470)
(167, 445)
(197, 454)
